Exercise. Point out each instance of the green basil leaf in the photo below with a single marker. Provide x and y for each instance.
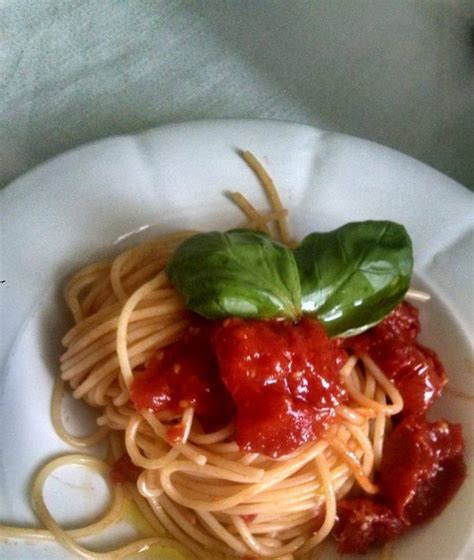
(240, 273)
(352, 277)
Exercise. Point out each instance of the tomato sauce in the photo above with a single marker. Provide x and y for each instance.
(123, 470)
(415, 370)
(363, 522)
(284, 379)
(175, 434)
(422, 468)
(422, 464)
(280, 381)
(185, 374)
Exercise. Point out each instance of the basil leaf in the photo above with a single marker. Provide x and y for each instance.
(352, 277)
(239, 273)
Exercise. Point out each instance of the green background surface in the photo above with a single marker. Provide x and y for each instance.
(398, 72)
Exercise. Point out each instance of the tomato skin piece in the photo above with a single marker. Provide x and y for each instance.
(415, 370)
(363, 522)
(284, 378)
(422, 468)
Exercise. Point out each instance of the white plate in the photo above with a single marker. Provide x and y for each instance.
(86, 202)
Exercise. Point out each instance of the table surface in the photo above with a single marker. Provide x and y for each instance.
(398, 73)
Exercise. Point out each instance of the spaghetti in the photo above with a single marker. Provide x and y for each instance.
(199, 491)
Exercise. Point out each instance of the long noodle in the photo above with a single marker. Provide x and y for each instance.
(202, 493)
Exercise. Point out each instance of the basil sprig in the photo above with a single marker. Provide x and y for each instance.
(352, 277)
(349, 278)
(240, 273)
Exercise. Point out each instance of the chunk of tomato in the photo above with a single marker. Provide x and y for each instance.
(185, 374)
(415, 370)
(362, 522)
(422, 468)
(284, 378)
